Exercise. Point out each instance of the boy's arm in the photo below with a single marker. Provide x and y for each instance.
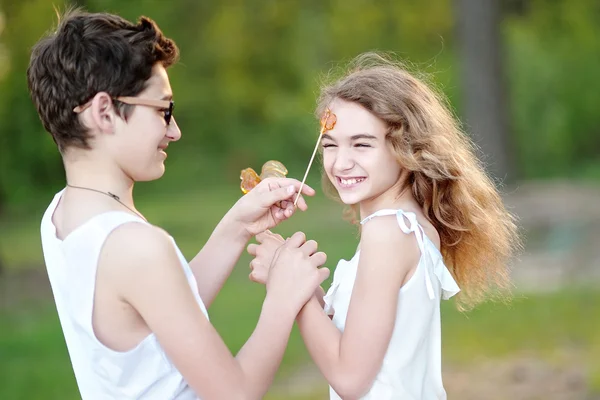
(147, 274)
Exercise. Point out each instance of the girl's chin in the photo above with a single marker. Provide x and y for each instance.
(349, 200)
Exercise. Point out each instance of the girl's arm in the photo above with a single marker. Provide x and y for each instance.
(147, 275)
(319, 294)
(351, 360)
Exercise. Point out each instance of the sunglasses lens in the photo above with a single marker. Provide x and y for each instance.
(169, 113)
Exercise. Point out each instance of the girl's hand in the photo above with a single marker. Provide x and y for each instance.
(263, 252)
(294, 273)
(268, 204)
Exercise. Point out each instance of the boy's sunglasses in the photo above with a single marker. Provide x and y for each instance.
(166, 106)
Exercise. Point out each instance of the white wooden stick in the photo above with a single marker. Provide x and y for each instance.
(309, 164)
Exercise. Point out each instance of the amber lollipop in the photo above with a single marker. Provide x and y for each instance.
(250, 178)
(327, 123)
(273, 168)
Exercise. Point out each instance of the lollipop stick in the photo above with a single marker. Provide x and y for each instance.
(309, 164)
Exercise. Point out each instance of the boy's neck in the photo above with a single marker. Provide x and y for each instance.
(97, 174)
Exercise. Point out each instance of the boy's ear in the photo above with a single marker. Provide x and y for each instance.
(103, 112)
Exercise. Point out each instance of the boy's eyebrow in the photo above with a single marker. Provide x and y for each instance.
(167, 97)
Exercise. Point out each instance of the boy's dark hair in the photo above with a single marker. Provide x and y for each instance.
(90, 53)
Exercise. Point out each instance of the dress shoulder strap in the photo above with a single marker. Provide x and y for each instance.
(447, 283)
(402, 217)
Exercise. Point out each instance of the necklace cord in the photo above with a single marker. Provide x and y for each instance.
(111, 195)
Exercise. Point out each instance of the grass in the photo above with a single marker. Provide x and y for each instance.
(34, 362)
(543, 325)
(34, 359)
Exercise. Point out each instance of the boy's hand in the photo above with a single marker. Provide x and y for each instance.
(268, 204)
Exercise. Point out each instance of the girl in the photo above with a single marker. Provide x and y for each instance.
(132, 309)
(430, 221)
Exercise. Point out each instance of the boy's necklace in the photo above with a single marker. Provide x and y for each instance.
(111, 195)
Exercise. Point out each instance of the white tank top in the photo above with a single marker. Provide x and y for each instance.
(412, 367)
(145, 372)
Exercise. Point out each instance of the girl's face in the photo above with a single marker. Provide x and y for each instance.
(356, 156)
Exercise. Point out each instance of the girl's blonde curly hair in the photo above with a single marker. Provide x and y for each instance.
(478, 235)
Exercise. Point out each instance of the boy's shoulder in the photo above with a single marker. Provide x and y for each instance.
(137, 238)
(138, 248)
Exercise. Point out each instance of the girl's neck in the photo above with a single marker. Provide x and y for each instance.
(398, 196)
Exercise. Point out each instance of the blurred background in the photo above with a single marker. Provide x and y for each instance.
(523, 77)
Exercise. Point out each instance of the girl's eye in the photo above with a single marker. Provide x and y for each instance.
(363, 145)
(326, 145)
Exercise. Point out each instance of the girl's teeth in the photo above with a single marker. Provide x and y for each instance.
(350, 181)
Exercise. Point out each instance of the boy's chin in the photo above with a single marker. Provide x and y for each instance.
(150, 175)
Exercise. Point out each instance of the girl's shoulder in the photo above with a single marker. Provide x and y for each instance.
(381, 238)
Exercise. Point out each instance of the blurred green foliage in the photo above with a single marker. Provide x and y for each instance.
(553, 58)
(245, 90)
(250, 72)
